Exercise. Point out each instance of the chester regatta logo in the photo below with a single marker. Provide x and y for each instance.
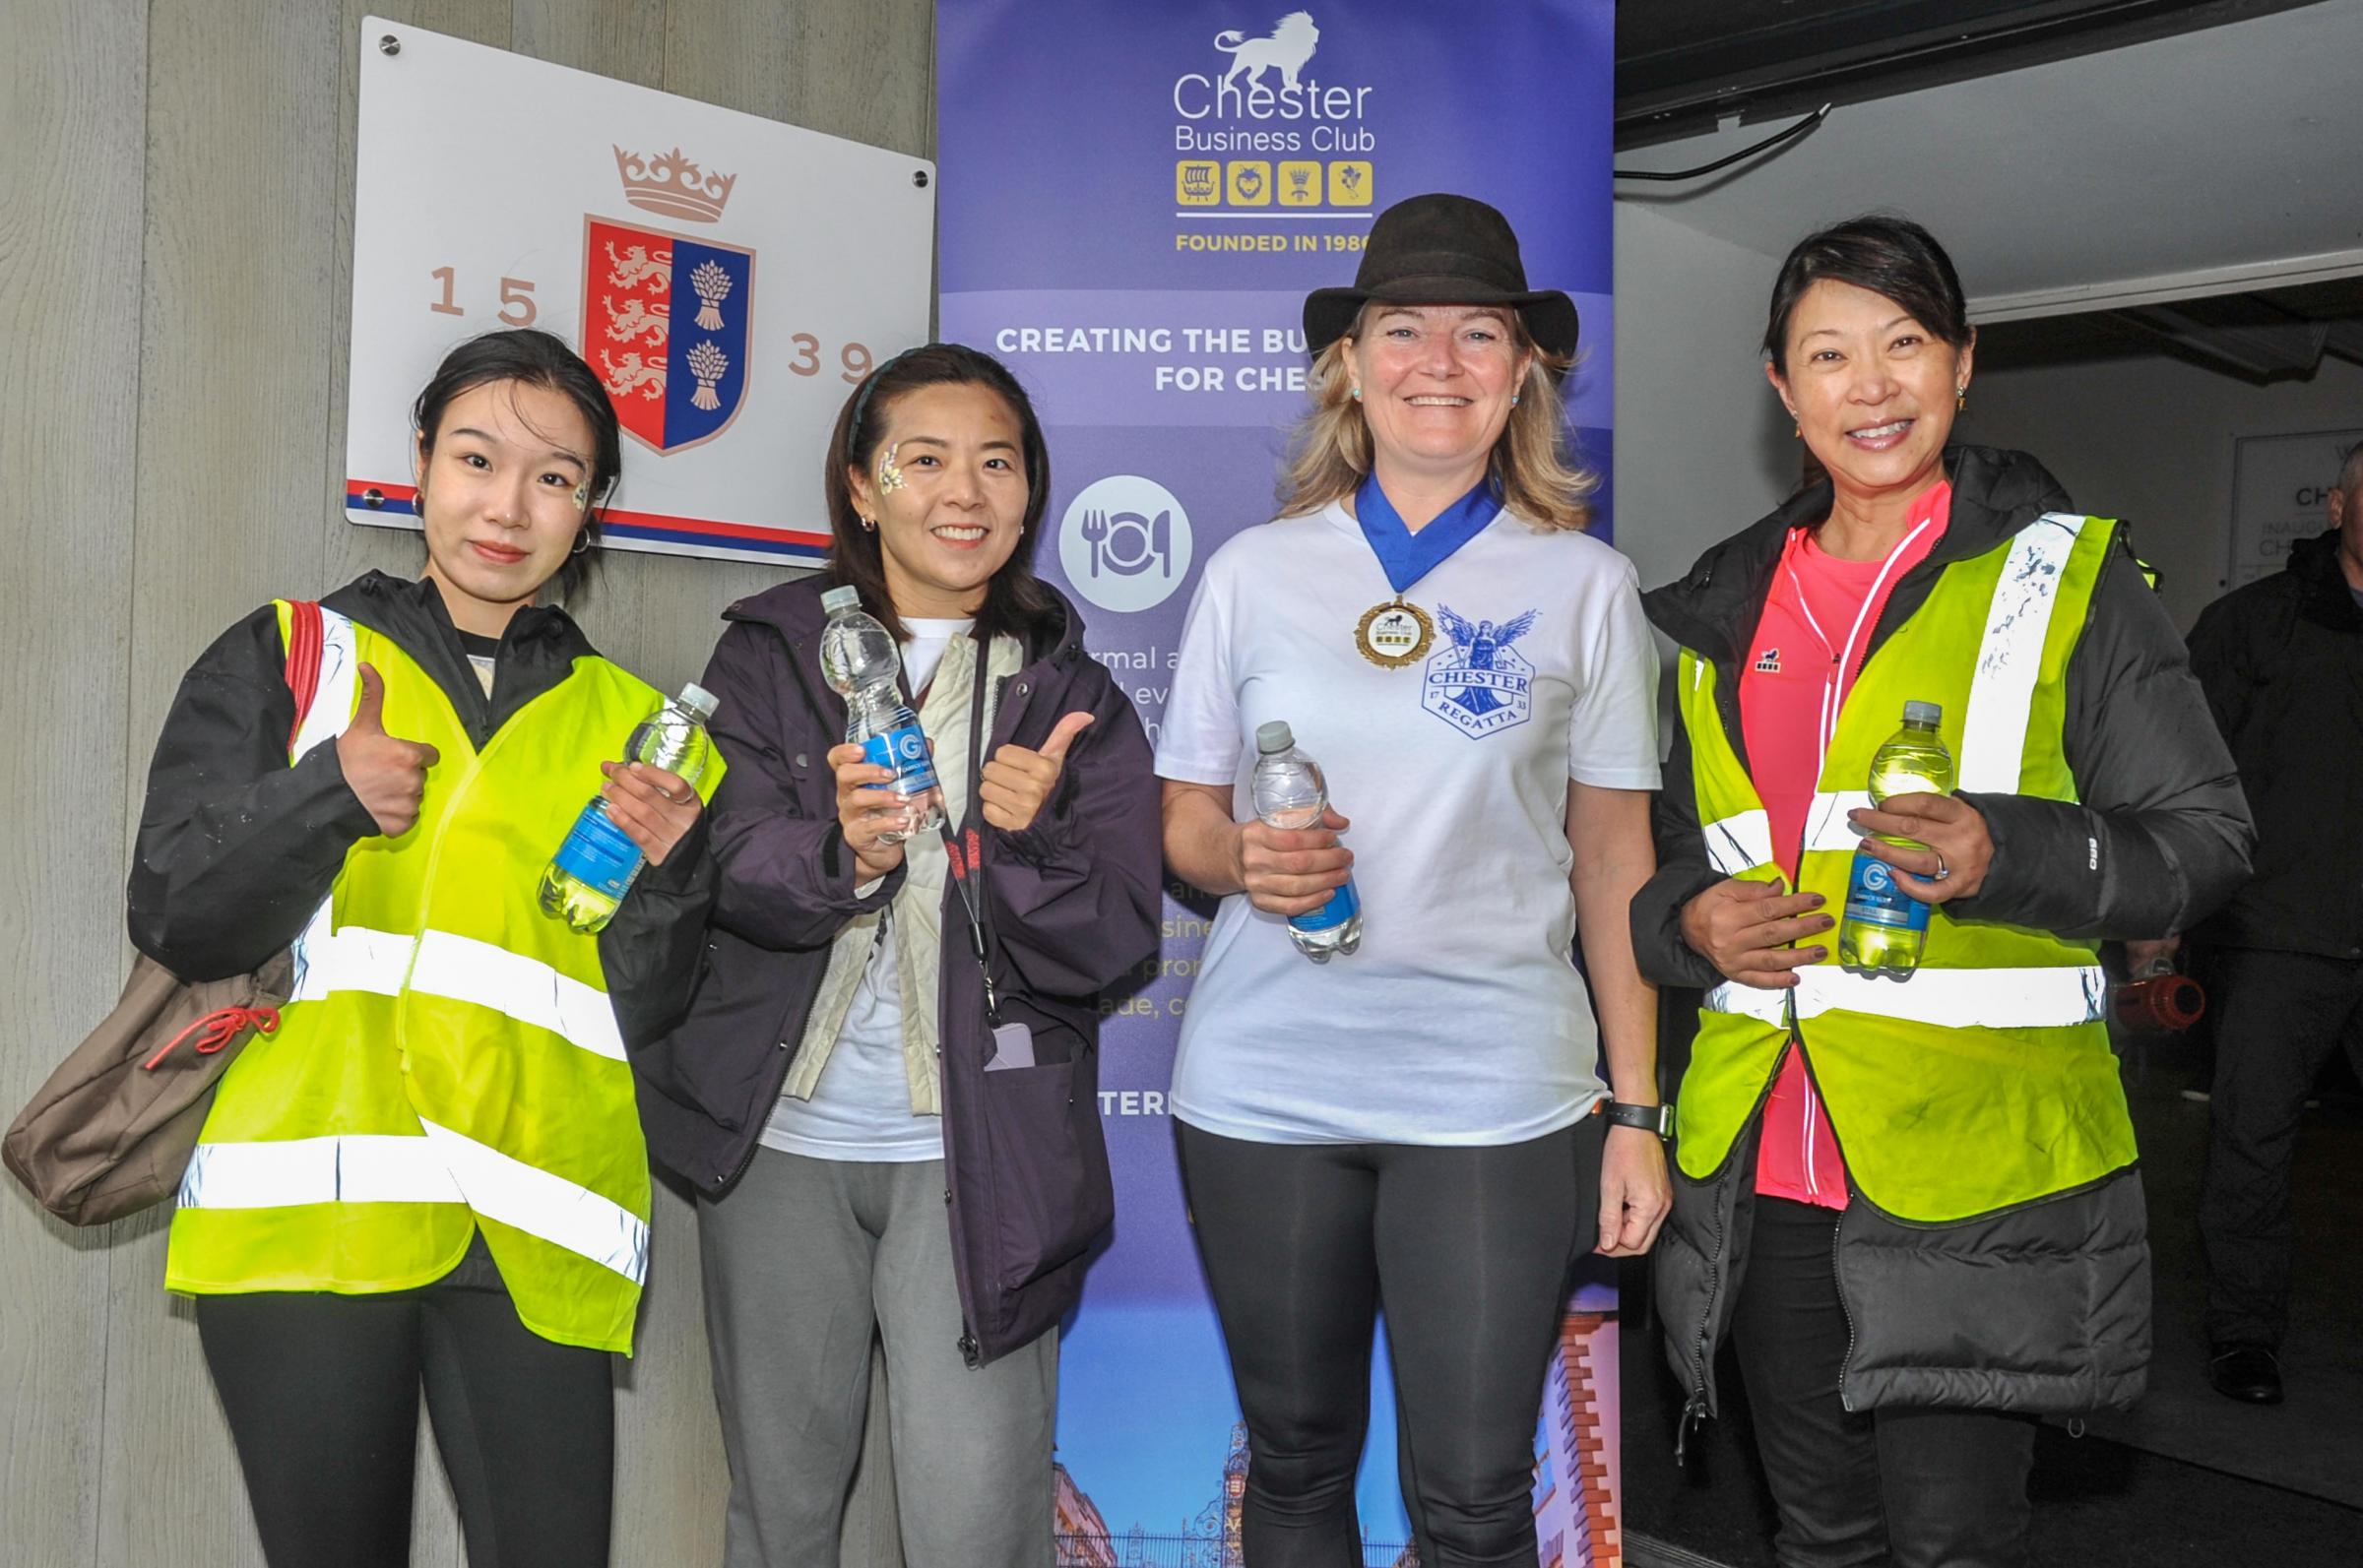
(1480, 684)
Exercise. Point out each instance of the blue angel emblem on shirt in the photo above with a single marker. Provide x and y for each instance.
(1478, 644)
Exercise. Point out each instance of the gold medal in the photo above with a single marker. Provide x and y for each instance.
(1394, 634)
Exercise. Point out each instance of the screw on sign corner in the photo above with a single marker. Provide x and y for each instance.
(388, 44)
(919, 177)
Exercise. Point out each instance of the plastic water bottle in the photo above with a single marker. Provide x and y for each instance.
(1289, 794)
(1884, 927)
(860, 664)
(594, 868)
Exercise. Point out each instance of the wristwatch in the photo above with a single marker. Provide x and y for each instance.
(1658, 1119)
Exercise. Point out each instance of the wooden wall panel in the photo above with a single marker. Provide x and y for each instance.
(234, 385)
(73, 110)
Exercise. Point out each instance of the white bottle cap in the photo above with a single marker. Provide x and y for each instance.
(700, 701)
(846, 597)
(1274, 736)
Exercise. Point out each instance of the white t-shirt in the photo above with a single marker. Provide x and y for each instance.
(860, 1110)
(1462, 1019)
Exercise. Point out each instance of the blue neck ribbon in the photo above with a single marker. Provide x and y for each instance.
(1405, 556)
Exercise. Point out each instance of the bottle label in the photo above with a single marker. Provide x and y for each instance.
(905, 750)
(597, 854)
(1342, 907)
(1872, 894)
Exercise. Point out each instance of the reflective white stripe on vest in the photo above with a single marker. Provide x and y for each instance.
(1739, 842)
(1984, 998)
(355, 958)
(526, 989)
(1768, 1006)
(1825, 824)
(2009, 658)
(444, 1166)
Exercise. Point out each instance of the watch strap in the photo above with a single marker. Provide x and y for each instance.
(1658, 1119)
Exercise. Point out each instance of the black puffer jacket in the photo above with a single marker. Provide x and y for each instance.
(2281, 660)
(2160, 835)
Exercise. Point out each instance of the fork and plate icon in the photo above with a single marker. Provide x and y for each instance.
(1124, 543)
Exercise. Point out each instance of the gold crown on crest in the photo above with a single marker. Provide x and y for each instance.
(673, 185)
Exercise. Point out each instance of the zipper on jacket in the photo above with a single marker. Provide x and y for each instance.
(1839, 1281)
(1693, 1409)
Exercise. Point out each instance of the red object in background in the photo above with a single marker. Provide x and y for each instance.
(2162, 1004)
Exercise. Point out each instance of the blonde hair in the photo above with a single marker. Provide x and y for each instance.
(1329, 453)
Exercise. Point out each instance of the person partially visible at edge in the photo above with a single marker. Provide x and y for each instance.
(2281, 660)
(426, 1175)
(1419, 1120)
(1955, 1141)
(870, 1153)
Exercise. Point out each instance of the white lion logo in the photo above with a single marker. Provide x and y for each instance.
(1293, 40)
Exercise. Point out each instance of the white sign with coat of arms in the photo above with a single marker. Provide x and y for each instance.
(729, 279)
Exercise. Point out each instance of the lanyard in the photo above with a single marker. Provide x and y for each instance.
(964, 847)
(1405, 556)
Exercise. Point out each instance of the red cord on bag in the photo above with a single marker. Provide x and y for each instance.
(222, 1026)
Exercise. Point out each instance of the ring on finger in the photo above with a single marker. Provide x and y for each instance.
(1943, 870)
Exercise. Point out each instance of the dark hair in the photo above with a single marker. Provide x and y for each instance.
(1015, 600)
(537, 360)
(1893, 257)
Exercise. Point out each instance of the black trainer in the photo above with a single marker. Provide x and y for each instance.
(2250, 1373)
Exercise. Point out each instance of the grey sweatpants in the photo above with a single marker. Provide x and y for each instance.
(804, 1259)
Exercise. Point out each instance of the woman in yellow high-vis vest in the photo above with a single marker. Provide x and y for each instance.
(431, 1173)
(1912, 1202)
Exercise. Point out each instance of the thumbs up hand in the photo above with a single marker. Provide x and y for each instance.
(388, 775)
(1017, 781)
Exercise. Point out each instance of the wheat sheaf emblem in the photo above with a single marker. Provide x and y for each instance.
(713, 285)
(708, 365)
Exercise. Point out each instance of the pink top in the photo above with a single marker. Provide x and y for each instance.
(1808, 647)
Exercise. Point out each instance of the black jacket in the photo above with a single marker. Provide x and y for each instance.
(2281, 660)
(2159, 835)
(1072, 903)
(236, 849)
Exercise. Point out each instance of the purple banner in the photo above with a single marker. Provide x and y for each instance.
(1134, 202)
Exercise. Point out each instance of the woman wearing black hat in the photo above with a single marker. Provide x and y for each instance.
(1420, 1119)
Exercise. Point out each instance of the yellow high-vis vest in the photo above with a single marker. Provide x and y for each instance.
(449, 1060)
(1985, 1079)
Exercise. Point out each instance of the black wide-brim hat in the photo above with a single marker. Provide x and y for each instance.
(1443, 250)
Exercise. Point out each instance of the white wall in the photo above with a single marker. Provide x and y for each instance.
(1701, 448)
(2150, 439)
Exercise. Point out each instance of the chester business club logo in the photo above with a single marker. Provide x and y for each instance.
(1265, 100)
(1480, 684)
(1125, 542)
(677, 379)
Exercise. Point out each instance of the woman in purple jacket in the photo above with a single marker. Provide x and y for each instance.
(846, 1080)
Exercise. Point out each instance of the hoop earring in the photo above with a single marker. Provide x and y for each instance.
(581, 541)
(870, 525)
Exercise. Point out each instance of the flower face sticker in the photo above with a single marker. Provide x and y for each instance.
(890, 473)
(582, 496)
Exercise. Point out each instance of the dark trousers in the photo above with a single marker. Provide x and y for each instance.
(322, 1395)
(1917, 1488)
(1469, 1249)
(2278, 1017)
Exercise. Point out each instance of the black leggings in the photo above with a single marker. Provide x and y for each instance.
(1470, 1251)
(1911, 1488)
(322, 1395)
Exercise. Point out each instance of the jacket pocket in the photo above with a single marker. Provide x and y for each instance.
(1050, 1187)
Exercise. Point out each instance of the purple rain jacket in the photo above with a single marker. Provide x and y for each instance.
(1072, 904)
